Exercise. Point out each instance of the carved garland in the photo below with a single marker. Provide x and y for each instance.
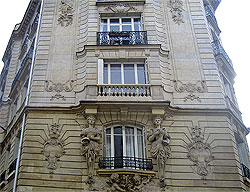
(176, 8)
(120, 8)
(50, 86)
(200, 153)
(53, 147)
(66, 11)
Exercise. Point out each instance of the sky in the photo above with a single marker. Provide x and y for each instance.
(233, 19)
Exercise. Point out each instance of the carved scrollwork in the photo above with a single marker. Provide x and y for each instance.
(65, 13)
(160, 149)
(50, 86)
(199, 86)
(128, 183)
(176, 8)
(200, 153)
(53, 147)
(120, 8)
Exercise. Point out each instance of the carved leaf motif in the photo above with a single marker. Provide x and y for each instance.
(120, 8)
(199, 86)
(176, 8)
(66, 11)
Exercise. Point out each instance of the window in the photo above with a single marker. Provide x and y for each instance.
(126, 72)
(125, 148)
(120, 24)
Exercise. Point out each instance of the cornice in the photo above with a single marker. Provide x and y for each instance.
(20, 29)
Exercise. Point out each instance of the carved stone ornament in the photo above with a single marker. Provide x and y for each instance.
(66, 11)
(192, 97)
(176, 8)
(200, 153)
(128, 183)
(160, 149)
(120, 8)
(53, 147)
(50, 86)
(90, 138)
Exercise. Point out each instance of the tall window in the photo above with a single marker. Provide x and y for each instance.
(120, 24)
(124, 73)
(124, 141)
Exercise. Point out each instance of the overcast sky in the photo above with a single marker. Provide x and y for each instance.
(233, 17)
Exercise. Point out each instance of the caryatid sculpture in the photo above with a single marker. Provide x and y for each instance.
(160, 149)
(90, 144)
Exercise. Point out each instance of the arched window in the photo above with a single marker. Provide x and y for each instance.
(124, 148)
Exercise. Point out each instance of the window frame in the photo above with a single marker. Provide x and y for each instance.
(120, 23)
(135, 135)
(101, 71)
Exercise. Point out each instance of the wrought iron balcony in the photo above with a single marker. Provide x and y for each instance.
(124, 90)
(218, 49)
(210, 13)
(245, 171)
(2, 177)
(126, 163)
(122, 38)
(12, 167)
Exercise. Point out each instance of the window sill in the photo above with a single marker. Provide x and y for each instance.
(125, 171)
(11, 176)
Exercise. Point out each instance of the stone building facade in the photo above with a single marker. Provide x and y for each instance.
(117, 95)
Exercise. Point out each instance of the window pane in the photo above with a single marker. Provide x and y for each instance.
(129, 74)
(114, 28)
(104, 21)
(118, 145)
(137, 24)
(108, 146)
(126, 21)
(140, 143)
(108, 131)
(114, 21)
(130, 152)
(115, 71)
(126, 28)
(104, 28)
(118, 130)
(141, 74)
(105, 74)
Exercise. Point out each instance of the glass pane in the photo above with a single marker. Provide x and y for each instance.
(104, 28)
(104, 21)
(118, 145)
(126, 28)
(115, 71)
(108, 131)
(118, 130)
(126, 21)
(130, 152)
(108, 146)
(140, 146)
(129, 74)
(105, 74)
(114, 28)
(141, 74)
(137, 24)
(114, 21)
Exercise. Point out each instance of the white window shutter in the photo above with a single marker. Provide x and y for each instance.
(100, 71)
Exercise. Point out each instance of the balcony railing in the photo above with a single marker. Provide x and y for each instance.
(2, 177)
(122, 38)
(12, 167)
(210, 13)
(126, 163)
(218, 49)
(24, 62)
(245, 171)
(124, 90)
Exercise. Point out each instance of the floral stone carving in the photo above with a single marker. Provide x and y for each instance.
(176, 8)
(200, 153)
(160, 149)
(127, 183)
(120, 8)
(53, 147)
(50, 86)
(91, 137)
(65, 13)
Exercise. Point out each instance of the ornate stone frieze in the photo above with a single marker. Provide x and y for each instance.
(176, 8)
(128, 183)
(66, 11)
(160, 149)
(50, 86)
(192, 97)
(90, 138)
(53, 147)
(200, 153)
(120, 8)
